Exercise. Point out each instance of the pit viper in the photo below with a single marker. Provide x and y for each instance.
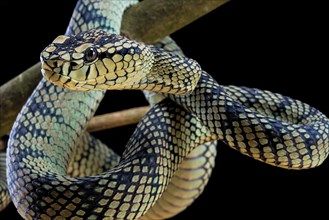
(55, 170)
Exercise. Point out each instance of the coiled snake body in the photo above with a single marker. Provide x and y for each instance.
(45, 182)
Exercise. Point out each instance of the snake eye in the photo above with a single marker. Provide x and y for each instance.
(91, 54)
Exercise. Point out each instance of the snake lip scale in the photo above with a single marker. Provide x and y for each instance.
(70, 83)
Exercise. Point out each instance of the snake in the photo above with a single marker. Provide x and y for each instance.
(192, 176)
(56, 170)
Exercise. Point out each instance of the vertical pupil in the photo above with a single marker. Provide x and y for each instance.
(91, 54)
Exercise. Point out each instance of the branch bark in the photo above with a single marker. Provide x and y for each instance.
(116, 119)
(152, 20)
(147, 21)
(14, 94)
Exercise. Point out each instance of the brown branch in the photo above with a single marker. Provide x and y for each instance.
(152, 20)
(117, 119)
(147, 21)
(14, 94)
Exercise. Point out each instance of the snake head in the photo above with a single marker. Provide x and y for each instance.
(95, 59)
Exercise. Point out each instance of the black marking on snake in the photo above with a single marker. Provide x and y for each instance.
(123, 51)
(101, 59)
(97, 71)
(67, 81)
(137, 50)
(103, 55)
(88, 72)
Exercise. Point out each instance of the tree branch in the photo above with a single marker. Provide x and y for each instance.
(151, 20)
(14, 94)
(116, 119)
(147, 21)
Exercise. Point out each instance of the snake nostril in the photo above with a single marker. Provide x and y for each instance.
(74, 65)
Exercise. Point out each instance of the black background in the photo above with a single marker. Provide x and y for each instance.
(272, 45)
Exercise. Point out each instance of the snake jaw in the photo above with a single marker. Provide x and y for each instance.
(108, 81)
(46, 70)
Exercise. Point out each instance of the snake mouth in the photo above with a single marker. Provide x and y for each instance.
(53, 77)
(117, 80)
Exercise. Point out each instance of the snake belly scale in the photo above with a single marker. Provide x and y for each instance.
(43, 180)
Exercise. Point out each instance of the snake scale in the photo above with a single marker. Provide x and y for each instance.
(55, 170)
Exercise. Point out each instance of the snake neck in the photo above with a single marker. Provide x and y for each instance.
(170, 73)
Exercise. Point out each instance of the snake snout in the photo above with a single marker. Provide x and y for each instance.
(46, 71)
